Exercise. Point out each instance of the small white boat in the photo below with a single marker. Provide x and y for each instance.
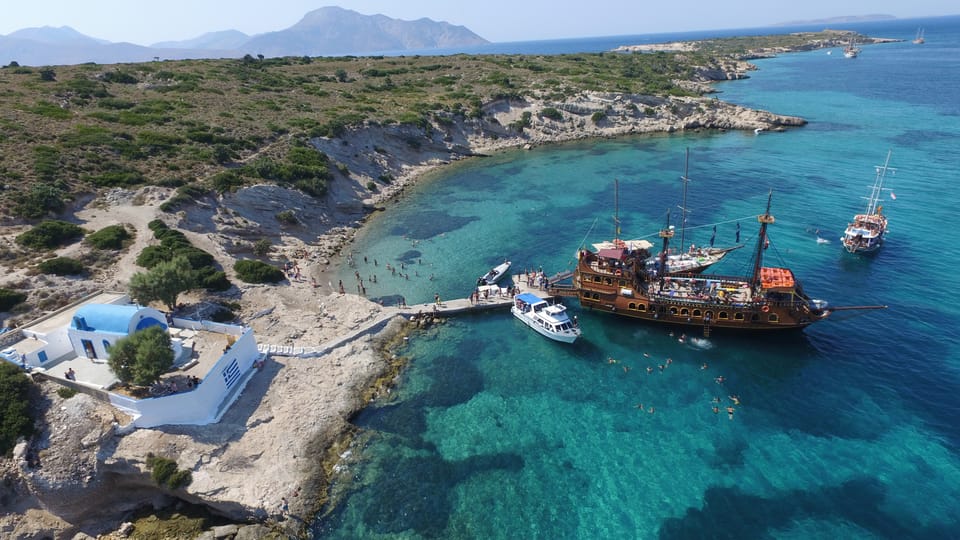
(550, 320)
(495, 274)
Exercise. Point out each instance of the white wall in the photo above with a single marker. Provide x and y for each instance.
(57, 345)
(96, 338)
(206, 403)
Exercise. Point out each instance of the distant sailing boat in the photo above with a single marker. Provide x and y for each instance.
(685, 260)
(851, 50)
(692, 260)
(919, 39)
(866, 232)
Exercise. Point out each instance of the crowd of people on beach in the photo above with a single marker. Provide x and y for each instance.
(411, 270)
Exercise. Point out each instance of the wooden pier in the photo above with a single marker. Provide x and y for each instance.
(492, 301)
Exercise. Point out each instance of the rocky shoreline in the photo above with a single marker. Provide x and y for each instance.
(290, 429)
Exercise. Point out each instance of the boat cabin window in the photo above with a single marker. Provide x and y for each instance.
(598, 279)
(754, 317)
(723, 315)
(697, 313)
(673, 311)
(773, 317)
(685, 312)
(642, 307)
(632, 305)
(608, 281)
(738, 316)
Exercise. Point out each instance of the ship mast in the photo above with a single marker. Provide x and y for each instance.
(616, 212)
(683, 203)
(764, 219)
(666, 233)
(878, 184)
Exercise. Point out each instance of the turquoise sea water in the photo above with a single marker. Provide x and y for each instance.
(846, 430)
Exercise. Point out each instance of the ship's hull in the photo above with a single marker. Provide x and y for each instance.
(865, 245)
(660, 302)
(865, 234)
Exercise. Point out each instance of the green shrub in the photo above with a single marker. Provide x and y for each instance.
(119, 177)
(197, 257)
(523, 122)
(213, 280)
(262, 247)
(49, 110)
(157, 225)
(110, 237)
(223, 315)
(179, 479)
(61, 266)
(152, 256)
(251, 271)
(84, 88)
(39, 200)
(226, 181)
(165, 473)
(9, 299)
(14, 406)
(46, 162)
(50, 234)
(287, 217)
(66, 393)
(115, 103)
(120, 77)
(551, 113)
(598, 117)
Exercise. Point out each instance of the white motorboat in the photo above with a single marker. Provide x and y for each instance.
(550, 320)
(495, 274)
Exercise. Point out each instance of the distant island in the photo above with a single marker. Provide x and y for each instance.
(845, 19)
(328, 31)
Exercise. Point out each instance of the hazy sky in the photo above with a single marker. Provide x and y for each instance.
(141, 22)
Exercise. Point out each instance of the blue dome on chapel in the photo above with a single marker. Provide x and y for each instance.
(114, 319)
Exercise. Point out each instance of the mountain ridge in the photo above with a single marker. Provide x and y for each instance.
(327, 31)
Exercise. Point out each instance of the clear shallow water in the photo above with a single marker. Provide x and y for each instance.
(847, 430)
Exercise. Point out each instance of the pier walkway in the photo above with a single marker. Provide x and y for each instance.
(495, 300)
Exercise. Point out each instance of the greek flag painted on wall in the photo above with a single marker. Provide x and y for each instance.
(231, 373)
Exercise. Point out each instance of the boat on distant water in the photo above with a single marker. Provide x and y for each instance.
(495, 274)
(867, 231)
(919, 39)
(851, 50)
(550, 320)
(770, 298)
(687, 260)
